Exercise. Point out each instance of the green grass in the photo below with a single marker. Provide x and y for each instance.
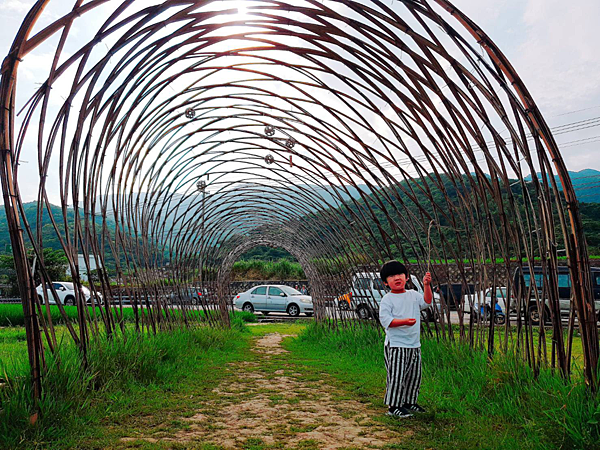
(473, 402)
(13, 344)
(284, 328)
(128, 384)
(11, 340)
(146, 386)
(11, 315)
(481, 341)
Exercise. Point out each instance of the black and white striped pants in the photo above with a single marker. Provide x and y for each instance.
(403, 375)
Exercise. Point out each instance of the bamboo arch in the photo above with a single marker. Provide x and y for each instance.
(169, 134)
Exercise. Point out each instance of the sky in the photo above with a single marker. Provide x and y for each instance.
(550, 43)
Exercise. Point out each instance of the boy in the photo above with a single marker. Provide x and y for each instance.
(400, 316)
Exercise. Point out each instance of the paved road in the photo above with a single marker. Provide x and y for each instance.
(331, 313)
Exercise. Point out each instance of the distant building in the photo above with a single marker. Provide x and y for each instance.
(83, 269)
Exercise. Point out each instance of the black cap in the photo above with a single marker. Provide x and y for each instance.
(392, 267)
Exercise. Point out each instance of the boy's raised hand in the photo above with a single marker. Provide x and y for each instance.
(427, 279)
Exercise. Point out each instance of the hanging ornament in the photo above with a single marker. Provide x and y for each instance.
(290, 143)
(269, 130)
(269, 159)
(190, 113)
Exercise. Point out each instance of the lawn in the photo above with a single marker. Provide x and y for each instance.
(11, 314)
(148, 385)
(473, 402)
(482, 336)
(143, 381)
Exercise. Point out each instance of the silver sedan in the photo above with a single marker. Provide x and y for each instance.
(274, 298)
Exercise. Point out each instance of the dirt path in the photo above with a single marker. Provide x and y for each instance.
(265, 403)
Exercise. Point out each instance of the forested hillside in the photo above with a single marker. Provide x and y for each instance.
(586, 184)
(50, 238)
(396, 201)
(264, 253)
(49, 235)
(590, 212)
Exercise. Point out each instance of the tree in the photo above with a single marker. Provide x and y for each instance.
(8, 275)
(56, 264)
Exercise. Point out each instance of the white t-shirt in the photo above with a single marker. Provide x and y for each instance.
(407, 305)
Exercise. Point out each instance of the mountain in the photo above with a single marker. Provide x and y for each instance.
(179, 208)
(586, 183)
(49, 235)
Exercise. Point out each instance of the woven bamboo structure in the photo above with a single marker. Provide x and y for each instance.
(173, 136)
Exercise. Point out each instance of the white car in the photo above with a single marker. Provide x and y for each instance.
(65, 291)
(484, 299)
(274, 298)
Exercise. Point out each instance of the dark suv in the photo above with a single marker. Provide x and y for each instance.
(522, 280)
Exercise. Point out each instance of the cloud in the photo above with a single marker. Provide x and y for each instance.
(484, 13)
(553, 47)
(17, 6)
(558, 58)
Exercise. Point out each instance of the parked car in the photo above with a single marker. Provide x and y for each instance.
(190, 296)
(479, 305)
(66, 293)
(453, 293)
(365, 294)
(367, 291)
(274, 298)
(527, 293)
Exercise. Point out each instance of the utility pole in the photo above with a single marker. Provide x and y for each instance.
(201, 185)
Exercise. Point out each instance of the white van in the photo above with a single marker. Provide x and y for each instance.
(367, 291)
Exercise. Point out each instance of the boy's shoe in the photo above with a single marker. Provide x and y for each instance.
(414, 408)
(399, 412)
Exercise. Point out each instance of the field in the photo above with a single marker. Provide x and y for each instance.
(173, 390)
(473, 402)
(11, 315)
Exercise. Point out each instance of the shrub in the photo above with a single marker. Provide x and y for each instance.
(255, 269)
